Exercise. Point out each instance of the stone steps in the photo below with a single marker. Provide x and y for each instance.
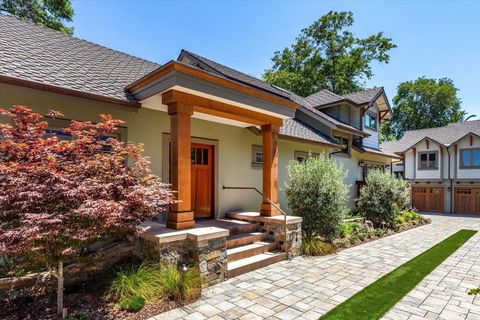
(242, 239)
(248, 264)
(249, 250)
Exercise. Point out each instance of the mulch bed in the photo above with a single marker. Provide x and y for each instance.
(90, 299)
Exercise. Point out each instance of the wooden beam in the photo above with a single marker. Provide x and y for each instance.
(270, 170)
(181, 215)
(219, 109)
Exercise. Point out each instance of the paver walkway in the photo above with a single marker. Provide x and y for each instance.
(306, 288)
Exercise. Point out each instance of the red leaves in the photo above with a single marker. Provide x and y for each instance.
(60, 196)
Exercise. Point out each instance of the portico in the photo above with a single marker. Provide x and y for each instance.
(184, 93)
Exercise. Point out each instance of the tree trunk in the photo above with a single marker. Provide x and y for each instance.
(60, 289)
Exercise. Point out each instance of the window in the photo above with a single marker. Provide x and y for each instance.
(302, 155)
(428, 160)
(344, 142)
(257, 155)
(368, 166)
(371, 120)
(470, 158)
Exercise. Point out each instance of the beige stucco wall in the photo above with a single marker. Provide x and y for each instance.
(233, 144)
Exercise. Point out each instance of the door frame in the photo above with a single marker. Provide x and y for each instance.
(166, 138)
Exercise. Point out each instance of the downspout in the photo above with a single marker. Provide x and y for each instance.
(451, 182)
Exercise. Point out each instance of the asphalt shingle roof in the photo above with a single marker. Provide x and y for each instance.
(297, 129)
(444, 135)
(325, 97)
(35, 53)
(241, 77)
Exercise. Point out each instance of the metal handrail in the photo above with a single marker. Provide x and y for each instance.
(273, 204)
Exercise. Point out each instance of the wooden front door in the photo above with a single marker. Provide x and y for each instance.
(202, 180)
(427, 198)
(467, 200)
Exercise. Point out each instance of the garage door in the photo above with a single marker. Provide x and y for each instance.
(427, 198)
(467, 200)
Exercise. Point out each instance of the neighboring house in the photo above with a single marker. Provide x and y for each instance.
(203, 125)
(443, 166)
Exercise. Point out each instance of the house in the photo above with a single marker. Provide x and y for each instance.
(442, 166)
(213, 132)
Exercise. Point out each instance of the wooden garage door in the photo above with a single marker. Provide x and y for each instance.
(427, 198)
(467, 200)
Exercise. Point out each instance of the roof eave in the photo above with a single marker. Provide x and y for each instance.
(66, 91)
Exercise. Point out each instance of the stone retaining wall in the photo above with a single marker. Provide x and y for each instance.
(84, 270)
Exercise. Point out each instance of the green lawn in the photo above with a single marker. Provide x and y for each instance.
(376, 299)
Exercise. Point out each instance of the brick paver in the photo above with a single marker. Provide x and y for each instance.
(306, 288)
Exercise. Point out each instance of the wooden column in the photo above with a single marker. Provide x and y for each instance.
(270, 169)
(181, 214)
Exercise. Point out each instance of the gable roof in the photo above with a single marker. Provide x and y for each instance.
(30, 52)
(232, 74)
(445, 136)
(325, 98)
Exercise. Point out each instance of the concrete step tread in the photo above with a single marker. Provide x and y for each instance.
(272, 255)
(247, 247)
(246, 234)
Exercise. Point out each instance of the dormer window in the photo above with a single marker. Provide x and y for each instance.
(370, 120)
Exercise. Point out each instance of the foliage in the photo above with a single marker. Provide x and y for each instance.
(316, 247)
(382, 197)
(474, 291)
(392, 287)
(180, 285)
(153, 281)
(327, 55)
(144, 281)
(57, 197)
(347, 228)
(132, 304)
(50, 13)
(316, 192)
(423, 103)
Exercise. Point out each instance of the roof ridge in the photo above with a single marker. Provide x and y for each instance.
(74, 37)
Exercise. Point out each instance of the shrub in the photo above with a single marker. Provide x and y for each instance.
(382, 197)
(138, 281)
(316, 247)
(179, 285)
(347, 228)
(132, 304)
(316, 192)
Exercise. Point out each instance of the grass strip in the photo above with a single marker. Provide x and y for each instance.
(375, 300)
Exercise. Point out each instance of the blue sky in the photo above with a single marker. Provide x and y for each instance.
(435, 39)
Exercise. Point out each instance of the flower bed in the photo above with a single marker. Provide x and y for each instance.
(128, 292)
(356, 231)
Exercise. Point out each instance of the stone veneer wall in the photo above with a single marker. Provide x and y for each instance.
(84, 270)
(276, 232)
(208, 255)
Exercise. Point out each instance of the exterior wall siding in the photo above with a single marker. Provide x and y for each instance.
(372, 141)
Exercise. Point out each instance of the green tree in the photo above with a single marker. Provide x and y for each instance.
(50, 13)
(316, 191)
(327, 55)
(423, 103)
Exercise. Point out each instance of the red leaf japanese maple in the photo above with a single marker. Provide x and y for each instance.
(57, 197)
